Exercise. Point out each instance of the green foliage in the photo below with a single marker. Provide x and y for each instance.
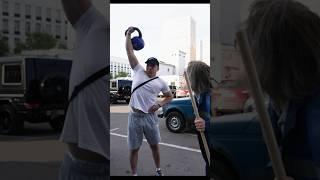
(4, 47)
(121, 74)
(40, 40)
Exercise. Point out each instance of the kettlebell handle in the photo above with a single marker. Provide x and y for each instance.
(136, 29)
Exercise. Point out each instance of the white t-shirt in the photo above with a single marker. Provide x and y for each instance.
(87, 120)
(146, 96)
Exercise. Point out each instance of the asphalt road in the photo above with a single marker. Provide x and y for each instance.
(36, 154)
(180, 153)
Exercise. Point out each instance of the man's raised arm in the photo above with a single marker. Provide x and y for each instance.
(131, 56)
(75, 8)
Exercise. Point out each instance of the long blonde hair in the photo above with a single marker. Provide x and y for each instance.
(199, 75)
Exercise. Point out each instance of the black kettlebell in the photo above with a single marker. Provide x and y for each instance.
(137, 41)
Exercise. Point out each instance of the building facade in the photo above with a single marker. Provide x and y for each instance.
(118, 64)
(20, 17)
(179, 34)
(166, 69)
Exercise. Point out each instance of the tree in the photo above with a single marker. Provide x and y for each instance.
(4, 47)
(40, 40)
(121, 74)
(62, 46)
(19, 47)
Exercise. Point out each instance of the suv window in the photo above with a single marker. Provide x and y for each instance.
(11, 74)
(172, 87)
(113, 85)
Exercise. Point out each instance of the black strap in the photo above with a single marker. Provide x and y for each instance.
(143, 84)
(89, 80)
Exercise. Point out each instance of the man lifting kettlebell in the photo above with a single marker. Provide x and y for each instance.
(142, 119)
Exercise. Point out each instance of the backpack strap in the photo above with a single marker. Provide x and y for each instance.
(102, 72)
(143, 84)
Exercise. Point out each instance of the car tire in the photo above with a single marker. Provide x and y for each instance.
(220, 170)
(175, 122)
(10, 122)
(57, 123)
(54, 88)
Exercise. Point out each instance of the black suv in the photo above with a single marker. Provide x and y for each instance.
(120, 89)
(173, 90)
(33, 89)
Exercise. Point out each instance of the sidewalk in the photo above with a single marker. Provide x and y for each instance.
(29, 170)
(31, 160)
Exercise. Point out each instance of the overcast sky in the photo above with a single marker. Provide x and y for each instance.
(149, 19)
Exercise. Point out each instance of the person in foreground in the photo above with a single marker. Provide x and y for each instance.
(285, 39)
(199, 75)
(86, 128)
(143, 119)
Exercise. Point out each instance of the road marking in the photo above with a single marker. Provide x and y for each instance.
(164, 144)
(114, 129)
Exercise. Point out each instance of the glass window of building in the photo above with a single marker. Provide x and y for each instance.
(17, 9)
(58, 31)
(17, 27)
(48, 14)
(16, 41)
(58, 17)
(38, 27)
(28, 11)
(5, 6)
(5, 24)
(38, 12)
(28, 27)
(48, 28)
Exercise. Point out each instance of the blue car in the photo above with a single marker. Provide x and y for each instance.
(178, 114)
(239, 151)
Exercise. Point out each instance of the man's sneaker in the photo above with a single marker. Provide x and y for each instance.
(159, 173)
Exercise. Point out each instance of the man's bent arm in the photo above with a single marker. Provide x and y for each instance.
(167, 98)
(75, 8)
(131, 56)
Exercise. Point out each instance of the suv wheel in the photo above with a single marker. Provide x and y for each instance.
(54, 88)
(9, 122)
(175, 122)
(57, 123)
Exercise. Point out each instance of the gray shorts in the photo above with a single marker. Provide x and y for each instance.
(140, 124)
(74, 169)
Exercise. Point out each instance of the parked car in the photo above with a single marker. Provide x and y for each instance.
(120, 89)
(178, 114)
(33, 89)
(239, 150)
(182, 93)
(249, 105)
(173, 90)
(229, 98)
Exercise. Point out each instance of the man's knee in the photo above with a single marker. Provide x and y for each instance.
(134, 151)
(154, 147)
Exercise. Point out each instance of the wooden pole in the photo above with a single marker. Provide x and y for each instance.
(195, 110)
(256, 91)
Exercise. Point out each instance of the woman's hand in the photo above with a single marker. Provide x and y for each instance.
(200, 124)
